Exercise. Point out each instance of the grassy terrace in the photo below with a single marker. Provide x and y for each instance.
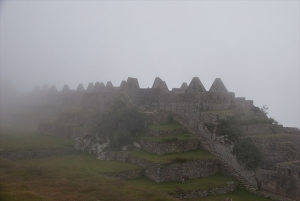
(13, 140)
(171, 126)
(273, 135)
(68, 177)
(171, 138)
(214, 181)
(174, 157)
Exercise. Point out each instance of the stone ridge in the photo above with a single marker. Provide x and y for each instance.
(218, 86)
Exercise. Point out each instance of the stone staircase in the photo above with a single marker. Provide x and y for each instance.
(206, 144)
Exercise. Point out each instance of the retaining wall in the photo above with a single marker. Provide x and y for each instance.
(16, 155)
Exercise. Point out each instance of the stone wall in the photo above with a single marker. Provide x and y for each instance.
(206, 192)
(16, 155)
(126, 175)
(169, 147)
(288, 180)
(278, 148)
(170, 172)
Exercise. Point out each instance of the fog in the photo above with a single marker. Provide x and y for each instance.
(253, 46)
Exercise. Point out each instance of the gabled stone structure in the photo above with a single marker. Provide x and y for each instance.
(123, 86)
(45, 88)
(132, 84)
(53, 89)
(80, 88)
(184, 85)
(109, 85)
(99, 87)
(218, 86)
(36, 89)
(195, 86)
(160, 84)
(90, 87)
(65, 89)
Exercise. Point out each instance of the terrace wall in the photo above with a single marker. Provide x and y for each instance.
(169, 147)
(170, 172)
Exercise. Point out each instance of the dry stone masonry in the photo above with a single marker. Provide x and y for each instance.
(194, 107)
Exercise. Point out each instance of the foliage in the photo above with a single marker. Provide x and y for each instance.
(120, 123)
(226, 127)
(247, 153)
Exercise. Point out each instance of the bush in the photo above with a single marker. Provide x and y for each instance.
(247, 153)
(120, 123)
(226, 128)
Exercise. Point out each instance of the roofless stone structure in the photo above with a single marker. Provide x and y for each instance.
(160, 84)
(218, 86)
(195, 86)
(80, 88)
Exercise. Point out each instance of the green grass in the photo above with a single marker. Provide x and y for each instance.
(214, 181)
(170, 126)
(67, 178)
(81, 162)
(240, 194)
(273, 135)
(13, 140)
(174, 157)
(171, 138)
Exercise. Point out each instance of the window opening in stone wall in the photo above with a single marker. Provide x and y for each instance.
(299, 175)
(289, 172)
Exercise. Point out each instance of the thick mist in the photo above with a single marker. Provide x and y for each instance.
(253, 46)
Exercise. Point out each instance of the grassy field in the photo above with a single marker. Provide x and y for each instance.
(79, 176)
(174, 157)
(69, 177)
(170, 138)
(11, 140)
(193, 184)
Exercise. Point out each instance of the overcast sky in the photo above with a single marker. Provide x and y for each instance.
(253, 46)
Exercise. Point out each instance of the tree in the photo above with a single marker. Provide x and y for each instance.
(247, 153)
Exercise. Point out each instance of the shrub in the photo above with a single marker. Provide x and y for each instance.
(247, 153)
(120, 123)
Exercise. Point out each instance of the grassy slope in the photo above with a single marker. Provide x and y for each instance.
(169, 158)
(194, 184)
(78, 177)
(11, 140)
(69, 177)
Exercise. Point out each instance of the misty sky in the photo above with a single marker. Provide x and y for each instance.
(253, 46)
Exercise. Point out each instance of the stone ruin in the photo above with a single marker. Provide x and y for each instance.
(193, 106)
